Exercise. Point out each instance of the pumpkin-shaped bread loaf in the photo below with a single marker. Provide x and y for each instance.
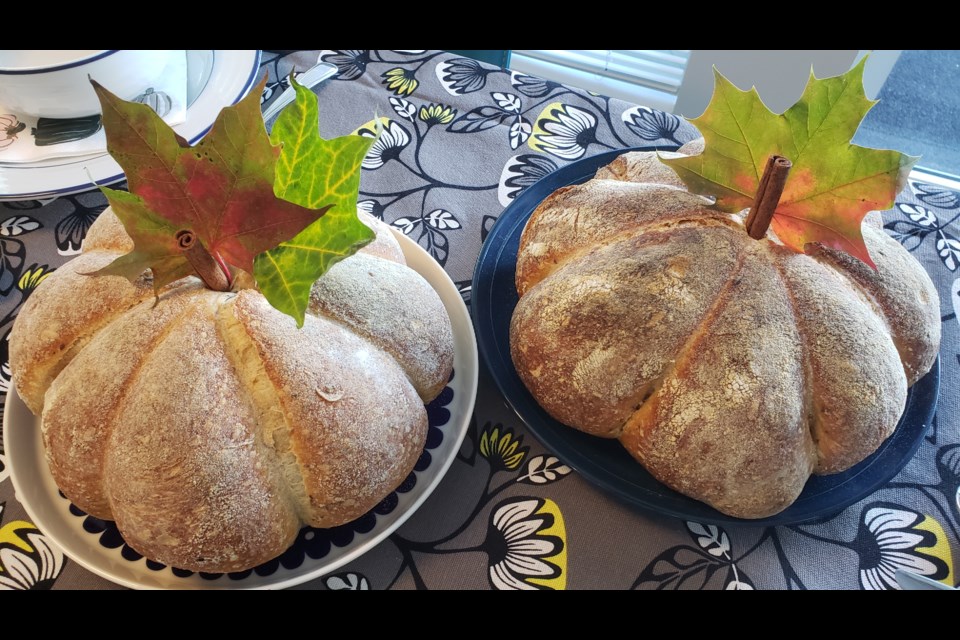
(731, 368)
(207, 424)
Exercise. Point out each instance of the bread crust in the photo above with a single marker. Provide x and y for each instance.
(731, 369)
(210, 427)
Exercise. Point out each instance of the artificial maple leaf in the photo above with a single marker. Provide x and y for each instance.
(833, 184)
(312, 172)
(221, 189)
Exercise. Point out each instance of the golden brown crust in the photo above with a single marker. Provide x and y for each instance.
(184, 471)
(646, 167)
(107, 234)
(857, 383)
(206, 423)
(727, 424)
(731, 368)
(572, 220)
(351, 447)
(605, 327)
(361, 293)
(76, 425)
(903, 293)
(641, 167)
(48, 334)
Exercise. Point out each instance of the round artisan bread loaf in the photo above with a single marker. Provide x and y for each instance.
(731, 368)
(207, 424)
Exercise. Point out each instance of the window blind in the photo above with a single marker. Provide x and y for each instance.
(658, 69)
(644, 76)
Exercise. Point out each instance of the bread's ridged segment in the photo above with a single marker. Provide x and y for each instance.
(645, 166)
(605, 328)
(272, 431)
(357, 424)
(107, 234)
(901, 293)
(57, 332)
(76, 422)
(573, 220)
(641, 166)
(812, 353)
(206, 424)
(858, 386)
(361, 293)
(183, 471)
(727, 425)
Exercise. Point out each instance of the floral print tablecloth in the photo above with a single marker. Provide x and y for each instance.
(460, 141)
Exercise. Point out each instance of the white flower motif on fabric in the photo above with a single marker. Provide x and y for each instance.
(543, 470)
(350, 63)
(348, 582)
(921, 215)
(22, 570)
(531, 86)
(565, 132)
(393, 139)
(440, 219)
(711, 538)
(17, 225)
(371, 207)
(948, 248)
(507, 101)
(935, 195)
(519, 133)
(955, 298)
(896, 542)
(461, 75)
(5, 377)
(72, 229)
(403, 108)
(406, 225)
(651, 124)
(737, 585)
(518, 526)
(520, 172)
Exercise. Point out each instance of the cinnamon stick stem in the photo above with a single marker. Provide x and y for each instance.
(212, 271)
(772, 182)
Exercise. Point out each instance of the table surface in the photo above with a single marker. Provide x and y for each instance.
(463, 139)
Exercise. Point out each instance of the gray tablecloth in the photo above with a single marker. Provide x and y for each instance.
(461, 141)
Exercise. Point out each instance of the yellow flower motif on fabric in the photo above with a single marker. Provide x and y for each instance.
(370, 129)
(527, 545)
(939, 549)
(10, 534)
(28, 560)
(33, 277)
(401, 81)
(564, 131)
(437, 114)
(891, 537)
(502, 448)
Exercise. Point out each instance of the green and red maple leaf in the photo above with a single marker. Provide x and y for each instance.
(833, 183)
(282, 210)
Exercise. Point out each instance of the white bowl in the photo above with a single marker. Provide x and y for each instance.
(55, 84)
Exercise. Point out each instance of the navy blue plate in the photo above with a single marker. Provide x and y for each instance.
(605, 462)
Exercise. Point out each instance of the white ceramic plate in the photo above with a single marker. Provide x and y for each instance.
(84, 540)
(215, 79)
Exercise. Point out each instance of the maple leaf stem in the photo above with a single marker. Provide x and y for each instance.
(772, 182)
(210, 268)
